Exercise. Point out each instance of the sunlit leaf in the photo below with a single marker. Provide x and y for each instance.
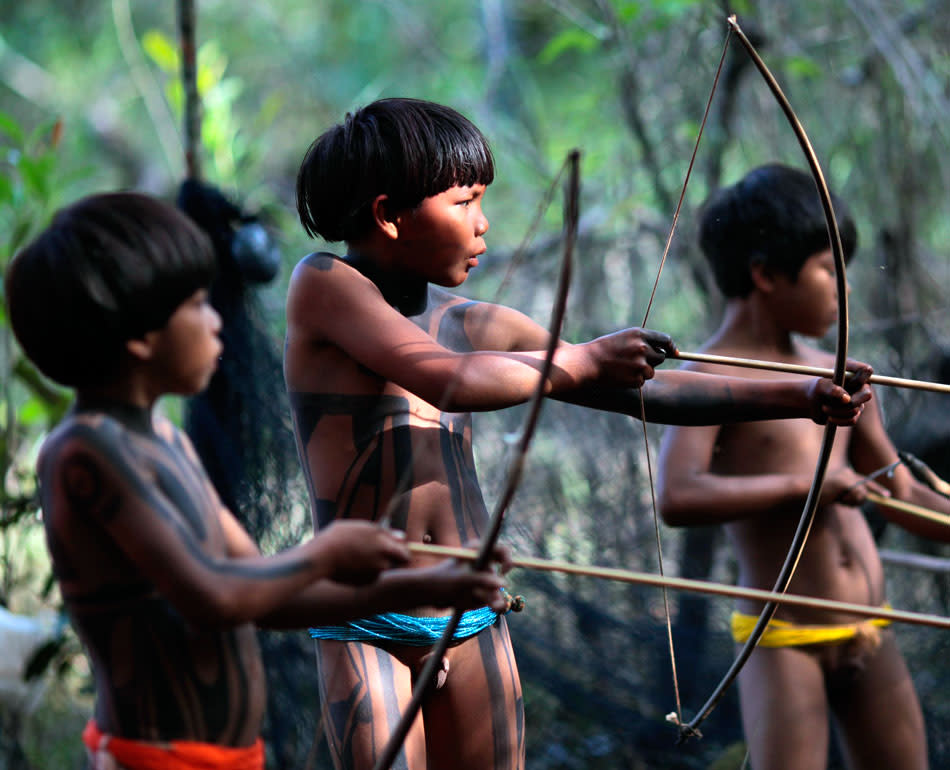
(19, 234)
(36, 174)
(161, 50)
(629, 10)
(32, 412)
(44, 135)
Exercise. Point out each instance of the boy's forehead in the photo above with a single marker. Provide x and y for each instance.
(824, 256)
(475, 187)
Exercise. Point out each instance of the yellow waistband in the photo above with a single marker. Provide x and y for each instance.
(781, 633)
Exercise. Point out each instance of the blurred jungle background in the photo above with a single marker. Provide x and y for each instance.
(92, 98)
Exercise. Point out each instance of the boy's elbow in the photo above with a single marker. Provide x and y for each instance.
(671, 508)
(217, 610)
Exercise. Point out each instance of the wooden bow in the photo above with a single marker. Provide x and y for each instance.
(797, 546)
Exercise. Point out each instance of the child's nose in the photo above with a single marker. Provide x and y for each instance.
(481, 226)
(215, 317)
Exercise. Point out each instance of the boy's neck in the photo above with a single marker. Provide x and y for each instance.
(748, 325)
(132, 416)
(408, 294)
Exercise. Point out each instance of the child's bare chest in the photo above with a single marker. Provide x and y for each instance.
(772, 446)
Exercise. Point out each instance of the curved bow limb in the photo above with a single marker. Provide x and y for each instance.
(489, 539)
(800, 538)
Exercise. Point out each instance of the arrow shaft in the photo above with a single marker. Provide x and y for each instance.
(815, 371)
(695, 586)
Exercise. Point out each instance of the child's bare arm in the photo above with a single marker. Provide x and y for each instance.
(156, 507)
(692, 490)
(871, 448)
(684, 396)
(330, 303)
(356, 551)
(446, 584)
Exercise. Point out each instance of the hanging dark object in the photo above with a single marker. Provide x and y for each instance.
(242, 244)
(237, 422)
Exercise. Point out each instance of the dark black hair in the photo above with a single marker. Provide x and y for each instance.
(772, 215)
(108, 268)
(408, 149)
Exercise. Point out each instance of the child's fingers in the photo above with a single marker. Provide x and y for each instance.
(397, 546)
(502, 557)
(660, 342)
(858, 375)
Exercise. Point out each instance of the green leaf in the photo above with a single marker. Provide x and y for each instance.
(672, 9)
(7, 191)
(33, 412)
(21, 231)
(36, 174)
(162, 51)
(803, 67)
(627, 11)
(11, 128)
(568, 40)
(42, 135)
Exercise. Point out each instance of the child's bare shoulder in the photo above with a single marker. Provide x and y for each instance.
(488, 325)
(321, 279)
(82, 464)
(104, 445)
(322, 260)
(82, 432)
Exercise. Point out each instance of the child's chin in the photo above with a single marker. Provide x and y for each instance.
(195, 388)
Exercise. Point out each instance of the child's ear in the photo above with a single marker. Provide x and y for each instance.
(762, 277)
(384, 216)
(142, 347)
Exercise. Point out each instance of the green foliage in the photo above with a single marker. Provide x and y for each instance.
(29, 404)
(571, 38)
(803, 67)
(226, 145)
(28, 165)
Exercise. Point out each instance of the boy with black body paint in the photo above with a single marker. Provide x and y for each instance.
(162, 583)
(384, 367)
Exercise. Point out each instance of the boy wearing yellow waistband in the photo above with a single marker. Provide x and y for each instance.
(767, 242)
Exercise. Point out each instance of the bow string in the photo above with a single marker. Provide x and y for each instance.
(807, 518)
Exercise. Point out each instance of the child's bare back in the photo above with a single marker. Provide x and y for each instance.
(159, 674)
